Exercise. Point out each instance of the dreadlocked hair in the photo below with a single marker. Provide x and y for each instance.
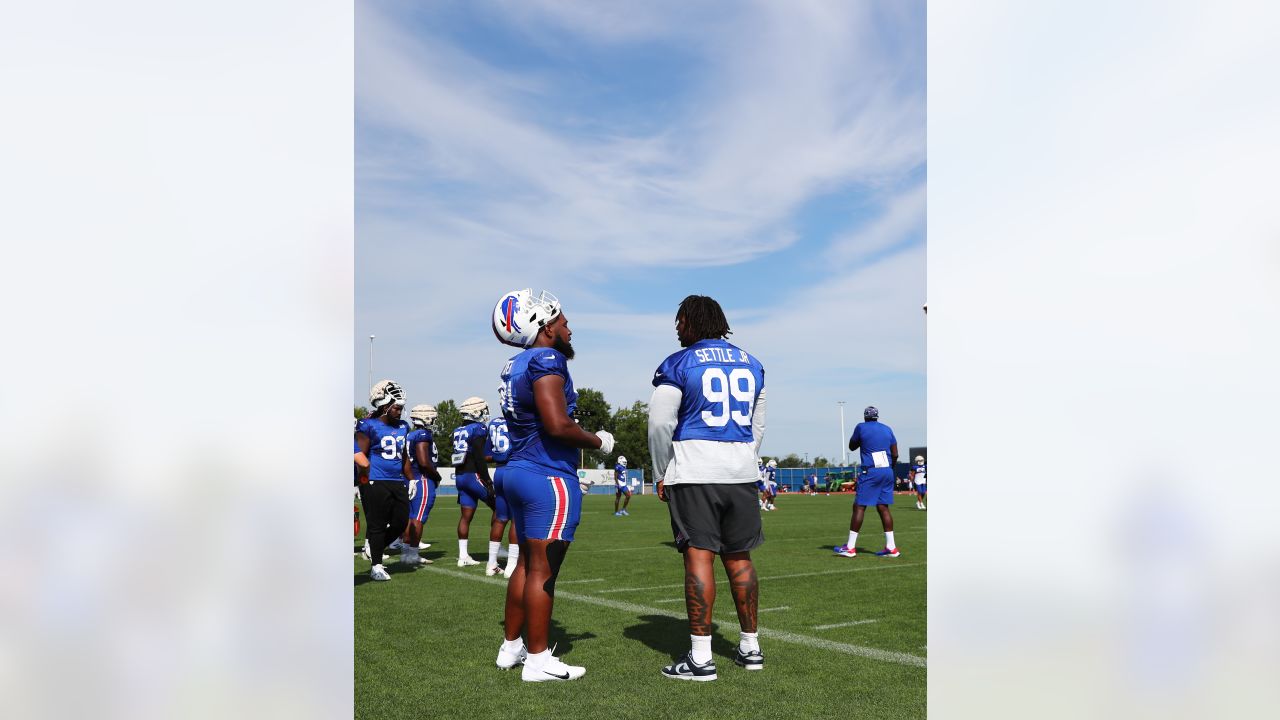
(704, 318)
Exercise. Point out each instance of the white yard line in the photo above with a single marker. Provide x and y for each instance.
(782, 607)
(774, 577)
(779, 635)
(843, 624)
(573, 582)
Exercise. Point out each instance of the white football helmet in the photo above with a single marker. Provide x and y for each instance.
(622, 460)
(919, 459)
(475, 409)
(385, 393)
(773, 463)
(423, 416)
(519, 316)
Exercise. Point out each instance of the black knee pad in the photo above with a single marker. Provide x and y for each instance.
(556, 550)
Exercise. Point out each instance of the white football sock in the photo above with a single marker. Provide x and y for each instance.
(853, 539)
(493, 551)
(701, 648)
(888, 540)
(749, 641)
(513, 554)
(512, 646)
(537, 660)
(462, 548)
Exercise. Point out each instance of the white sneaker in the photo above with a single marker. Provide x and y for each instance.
(467, 560)
(508, 660)
(552, 670)
(511, 570)
(410, 557)
(377, 572)
(423, 546)
(492, 569)
(397, 545)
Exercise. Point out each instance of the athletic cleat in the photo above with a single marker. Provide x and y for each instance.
(492, 569)
(507, 660)
(397, 545)
(753, 660)
(466, 561)
(377, 572)
(423, 546)
(511, 570)
(411, 558)
(686, 669)
(618, 514)
(551, 671)
(367, 554)
(888, 552)
(846, 551)
(624, 511)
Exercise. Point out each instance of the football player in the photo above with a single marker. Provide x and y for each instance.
(538, 401)
(381, 438)
(497, 449)
(917, 475)
(706, 422)
(770, 484)
(879, 450)
(621, 487)
(426, 478)
(471, 472)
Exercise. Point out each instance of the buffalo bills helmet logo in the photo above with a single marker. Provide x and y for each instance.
(510, 306)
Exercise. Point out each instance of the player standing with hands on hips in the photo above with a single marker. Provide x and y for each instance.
(706, 421)
(540, 482)
(879, 450)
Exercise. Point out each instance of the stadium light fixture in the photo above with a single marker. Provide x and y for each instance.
(844, 444)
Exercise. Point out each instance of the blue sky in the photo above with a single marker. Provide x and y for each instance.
(625, 155)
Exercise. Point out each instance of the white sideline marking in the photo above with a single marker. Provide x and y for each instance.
(783, 607)
(780, 635)
(672, 600)
(774, 577)
(571, 582)
(844, 624)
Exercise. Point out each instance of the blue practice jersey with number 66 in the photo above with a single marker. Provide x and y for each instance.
(719, 384)
(498, 444)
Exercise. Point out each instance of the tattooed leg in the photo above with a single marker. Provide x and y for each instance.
(745, 588)
(699, 589)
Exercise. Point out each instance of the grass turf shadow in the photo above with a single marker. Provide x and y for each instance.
(670, 636)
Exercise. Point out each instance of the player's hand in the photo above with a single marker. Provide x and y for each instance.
(662, 490)
(606, 441)
(413, 488)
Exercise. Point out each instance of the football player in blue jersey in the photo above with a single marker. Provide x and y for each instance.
(540, 482)
(497, 449)
(706, 422)
(423, 458)
(919, 478)
(471, 472)
(770, 485)
(879, 449)
(622, 489)
(386, 496)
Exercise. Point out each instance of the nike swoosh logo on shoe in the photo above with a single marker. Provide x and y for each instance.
(562, 677)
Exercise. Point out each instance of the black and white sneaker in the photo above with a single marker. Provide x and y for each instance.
(753, 660)
(686, 669)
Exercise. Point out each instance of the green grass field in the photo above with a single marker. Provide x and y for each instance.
(842, 637)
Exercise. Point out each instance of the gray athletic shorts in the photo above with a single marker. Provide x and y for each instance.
(719, 518)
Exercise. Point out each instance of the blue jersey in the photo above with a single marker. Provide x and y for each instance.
(719, 385)
(497, 444)
(919, 471)
(531, 446)
(620, 474)
(386, 448)
(416, 438)
(873, 440)
(468, 447)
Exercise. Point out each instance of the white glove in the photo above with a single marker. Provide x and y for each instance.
(606, 441)
(413, 488)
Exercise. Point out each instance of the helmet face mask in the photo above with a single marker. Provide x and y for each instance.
(423, 416)
(475, 409)
(386, 393)
(519, 316)
(773, 463)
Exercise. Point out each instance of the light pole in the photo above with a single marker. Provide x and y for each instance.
(371, 360)
(844, 444)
